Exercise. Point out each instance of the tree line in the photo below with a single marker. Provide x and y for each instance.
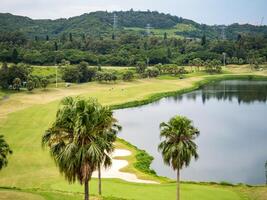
(17, 76)
(130, 48)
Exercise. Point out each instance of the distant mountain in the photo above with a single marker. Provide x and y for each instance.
(101, 23)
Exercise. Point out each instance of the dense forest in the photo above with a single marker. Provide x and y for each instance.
(92, 38)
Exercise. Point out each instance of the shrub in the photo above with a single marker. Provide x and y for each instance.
(17, 84)
(128, 76)
(30, 85)
(44, 83)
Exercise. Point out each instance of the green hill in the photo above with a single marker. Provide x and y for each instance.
(101, 23)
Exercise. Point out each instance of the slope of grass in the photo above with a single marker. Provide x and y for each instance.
(118, 190)
(18, 195)
(253, 193)
(171, 32)
(2, 94)
(44, 70)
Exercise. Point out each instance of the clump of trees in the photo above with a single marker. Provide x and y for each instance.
(14, 76)
(171, 69)
(80, 73)
(213, 66)
(106, 76)
(17, 76)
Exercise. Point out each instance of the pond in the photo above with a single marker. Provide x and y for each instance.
(232, 119)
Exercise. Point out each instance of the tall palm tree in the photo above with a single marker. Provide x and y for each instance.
(178, 147)
(74, 139)
(4, 152)
(107, 134)
(107, 137)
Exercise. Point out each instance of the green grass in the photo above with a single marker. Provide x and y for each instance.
(171, 32)
(5, 93)
(31, 167)
(18, 194)
(2, 94)
(124, 190)
(44, 70)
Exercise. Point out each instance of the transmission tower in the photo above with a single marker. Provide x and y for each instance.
(148, 29)
(262, 19)
(223, 36)
(115, 23)
(224, 58)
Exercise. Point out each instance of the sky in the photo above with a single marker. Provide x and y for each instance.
(202, 11)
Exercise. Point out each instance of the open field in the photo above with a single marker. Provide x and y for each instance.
(171, 32)
(25, 116)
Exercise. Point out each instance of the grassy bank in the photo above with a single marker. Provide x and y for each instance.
(27, 116)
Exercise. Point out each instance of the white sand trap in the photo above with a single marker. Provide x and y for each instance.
(114, 171)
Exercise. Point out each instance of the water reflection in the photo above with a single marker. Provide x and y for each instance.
(231, 116)
(244, 91)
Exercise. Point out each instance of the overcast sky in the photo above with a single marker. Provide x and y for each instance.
(202, 11)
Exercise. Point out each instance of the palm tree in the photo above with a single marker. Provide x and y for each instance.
(178, 146)
(107, 136)
(4, 152)
(75, 141)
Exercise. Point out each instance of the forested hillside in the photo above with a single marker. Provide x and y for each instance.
(91, 38)
(101, 23)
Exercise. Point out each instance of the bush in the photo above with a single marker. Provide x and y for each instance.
(44, 83)
(152, 73)
(140, 67)
(128, 76)
(17, 84)
(30, 85)
(144, 161)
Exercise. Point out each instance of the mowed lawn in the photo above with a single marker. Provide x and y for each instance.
(32, 167)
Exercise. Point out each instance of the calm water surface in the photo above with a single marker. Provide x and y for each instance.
(232, 119)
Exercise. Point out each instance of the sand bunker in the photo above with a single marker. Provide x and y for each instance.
(114, 171)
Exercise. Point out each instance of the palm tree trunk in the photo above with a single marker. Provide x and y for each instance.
(178, 185)
(99, 180)
(86, 190)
